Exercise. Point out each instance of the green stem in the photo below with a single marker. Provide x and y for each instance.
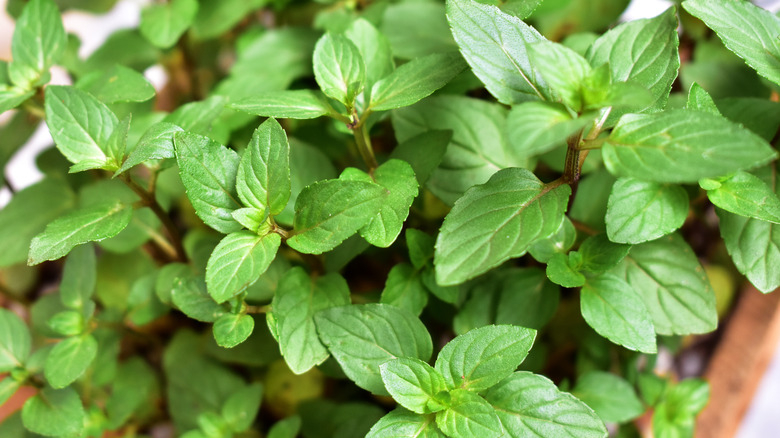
(364, 146)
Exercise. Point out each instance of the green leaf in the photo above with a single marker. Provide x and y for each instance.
(231, 329)
(599, 254)
(328, 212)
(413, 384)
(534, 128)
(117, 84)
(482, 33)
(746, 195)
(423, 152)
(699, 99)
(497, 221)
(8, 387)
(401, 423)
(163, 23)
(469, 415)
(238, 261)
(681, 146)
(263, 179)
(559, 243)
(747, 30)
(676, 415)
(615, 311)
(38, 42)
(134, 385)
(404, 288)
(668, 277)
(339, 68)
(417, 29)
(640, 211)
(197, 117)
(11, 97)
(374, 49)
(484, 356)
(362, 337)
(531, 405)
(565, 270)
(652, 44)
(286, 428)
(117, 144)
(241, 408)
(286, 104)
(563, 69)
(298, 297)
(68, 360)
(415, 80)
(759, 115)
(308, 165)
(191, 297)
(612, 397)
(208, 172)
(80, 124)
(15, 341)
(93, 223)
(155, 144)
(67, 322)
(54, 412)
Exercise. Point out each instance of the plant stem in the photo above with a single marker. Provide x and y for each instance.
(364, 146)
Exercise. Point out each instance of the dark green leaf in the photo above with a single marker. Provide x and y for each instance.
(238, 261)
(469, 415)
(68, 360)
(339, 68)
(163, 23)
(241, 408)
(14, 341)
(117, 84)
(263, 179)
(38, 42)
(286, 428)
(599, 254)
(417, 29)
(401, 423)
(404, 288)
(534, 128)
(610, 396)
(374, 49)
(640, 211)
(135, 384)
(423, 152)
(286, 104)
(746, 195)
(413, 384)
(54, 412)
(231, 329)
(759, 115)
(190, 296)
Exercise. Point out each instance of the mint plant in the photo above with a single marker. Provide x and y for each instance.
(387, 219)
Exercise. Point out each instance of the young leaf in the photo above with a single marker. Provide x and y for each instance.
(415, 80)
(534, 128)
(231, 329)
(191, 297)
(531, 405)
(339, 68)
(413, 384)
(374, 49)
(746, 29)
(14, 341)
(328, 212)
(163, 23)
(482, 33)
(68, 360)
(241, 408)
(563, 69)
(54, 412)
(263, 179)
(401, 423)
(208, 172)
(197, 117)
(699, 99)
(484, 356)
(117, 143)
(668, 277)
(423, 152)
(298, 297)
(640, 211)
(565, 270)
(469, 415)
(80, 124)
(599, 254)
(746, 195)
(559, 243)
(93, 223)
(155, 144)
(238, 261)
(38, 42)
(78, 277)
(612, 397)
(251, 218)
(286, 104)
(404, 288)
(117, 84)
(8, 387)
(681, 146)
(615, 311)
(11, 97)
(497, 221)
(362, 337)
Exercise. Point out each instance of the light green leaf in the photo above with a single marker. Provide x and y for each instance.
(288, 427)
(675, 416)
(483, 33)
(80, 124)
(531, 405)
(469, 415)
(238, 261)
(298, 297)
(251, 218)
(15, 341)
(241, 408)
(415, 80)
(374, 49)
(362, 337)
(612, 397)
(339, 68)
(413, 384)
(216, 17)
(155, 144)
(563, 69)
(11, 97)
(197, 117)
(560, 242)
(401, 423)
(38, 42)
(423, 152)
(163, 23)
(564, 270)
(682, 146)
(117, 84)
(191, 297)
(54, 412)
(615, 311)
(404, 288)
(93, 223)
(668, 277)
(484, 356)
(308, 164)
(759, 115)
(534, 128)
(285, 104)
(68, 360)
(699, 99)
(746, 29)
(640, 211)
(746, 195)
(417, 29)
(208, 172)
(134, 385)
(652, 46)
(231, 329)
(263, 179)
(8, 387)
(599, 254)
(328, 212)
(117, 144)
(497, 221)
